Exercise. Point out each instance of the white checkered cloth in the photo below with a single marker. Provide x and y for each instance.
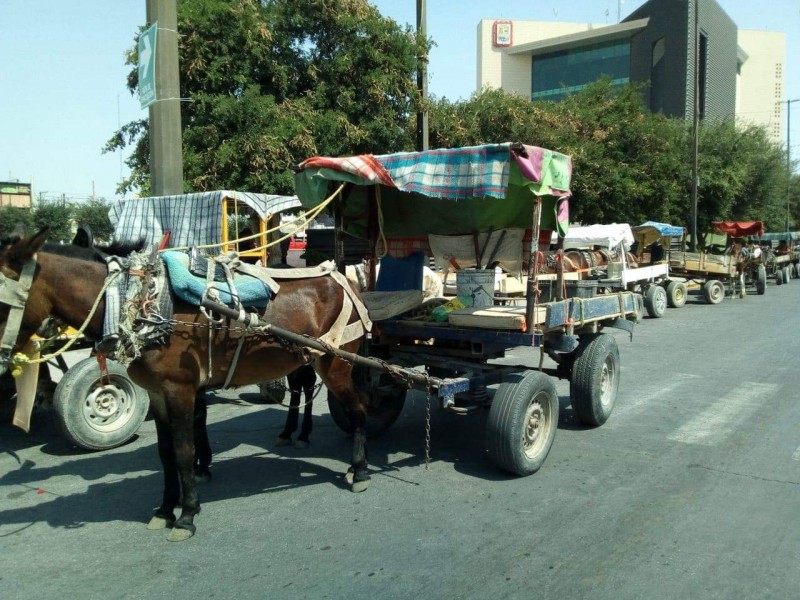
(191, 219)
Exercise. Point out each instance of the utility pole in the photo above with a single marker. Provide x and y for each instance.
(695, 125)
(422, 78)
(166, 154)
(789, 156)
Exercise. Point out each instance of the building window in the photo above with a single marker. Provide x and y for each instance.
(557, 74)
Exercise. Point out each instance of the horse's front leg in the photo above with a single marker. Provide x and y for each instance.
(164, 516)
(175, 425)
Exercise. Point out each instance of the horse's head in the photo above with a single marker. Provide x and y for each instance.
(17, 271)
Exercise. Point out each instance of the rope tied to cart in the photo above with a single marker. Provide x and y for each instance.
(304, 219)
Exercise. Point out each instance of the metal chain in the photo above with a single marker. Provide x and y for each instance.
(427, 422)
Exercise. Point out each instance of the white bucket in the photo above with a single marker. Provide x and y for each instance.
(477, 284)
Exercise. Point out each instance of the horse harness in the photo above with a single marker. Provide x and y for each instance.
(14, 294)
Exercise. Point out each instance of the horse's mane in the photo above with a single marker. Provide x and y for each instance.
(94, 253)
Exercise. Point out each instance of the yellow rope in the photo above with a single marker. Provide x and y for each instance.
(304, 219)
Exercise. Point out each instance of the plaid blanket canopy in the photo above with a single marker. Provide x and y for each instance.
(446, 191)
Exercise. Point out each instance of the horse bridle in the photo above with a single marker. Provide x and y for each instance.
(14, 294)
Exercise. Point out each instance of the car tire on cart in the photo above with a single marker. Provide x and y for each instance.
(655, 301)
(379, 418)
(676, 294)
(761, 280)
(595, 378)
(713, 291)
(95, 411)
(522, 422)
(785, 272)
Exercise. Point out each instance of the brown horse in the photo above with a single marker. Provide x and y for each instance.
(66, 288)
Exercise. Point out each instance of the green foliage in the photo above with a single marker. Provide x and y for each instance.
(273, 82)
(58, 217)
(94, 214)
(276, 81)
(11, 216)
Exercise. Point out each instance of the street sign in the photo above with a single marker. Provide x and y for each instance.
(147, 65)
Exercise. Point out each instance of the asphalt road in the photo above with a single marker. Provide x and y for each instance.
(689, 491)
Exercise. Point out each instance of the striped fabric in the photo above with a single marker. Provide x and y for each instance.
(473, 171)
(191, 219)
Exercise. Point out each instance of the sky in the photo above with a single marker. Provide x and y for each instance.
(63, 73)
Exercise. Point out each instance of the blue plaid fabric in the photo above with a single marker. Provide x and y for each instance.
(473, 171)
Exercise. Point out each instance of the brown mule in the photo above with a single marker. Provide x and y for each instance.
(66, 288)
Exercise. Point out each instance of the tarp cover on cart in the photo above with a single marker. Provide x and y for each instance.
(445, 191)
(652, 231)
(739, 228)
(606, 236)
(191, 219)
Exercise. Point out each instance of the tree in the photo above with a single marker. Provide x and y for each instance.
(273, 82)
(94, 214)
(11, 216)
(58, 217)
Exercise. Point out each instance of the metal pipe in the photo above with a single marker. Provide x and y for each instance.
(416, 377)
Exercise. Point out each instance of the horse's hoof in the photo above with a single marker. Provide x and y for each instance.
(300, 444)
(359, 486)
(349, 477)
(160, 523)
(282, 441)
(178, 534)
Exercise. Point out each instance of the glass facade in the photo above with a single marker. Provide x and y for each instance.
(558, 74)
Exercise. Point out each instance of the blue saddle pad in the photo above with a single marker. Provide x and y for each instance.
(190, 288)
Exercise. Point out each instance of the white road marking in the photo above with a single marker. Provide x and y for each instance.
(720, 418)
(641, 401)
(796, 455)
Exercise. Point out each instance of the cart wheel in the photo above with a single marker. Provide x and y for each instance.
(713, 291)
(273, 392)
(785, 272)
(778, 277)
(655, 301)
(676, 294)
(595, 378)
(522, 422)
(761, 280)
(94, 414)
(379, 418)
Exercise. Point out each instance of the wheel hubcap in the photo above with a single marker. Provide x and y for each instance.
(607, 381)
(536, 423)
(107, 408)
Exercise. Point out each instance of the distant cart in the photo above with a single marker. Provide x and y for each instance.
(622, 272)
(718, 265)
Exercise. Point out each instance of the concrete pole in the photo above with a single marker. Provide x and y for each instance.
(695, 125)
(422, 78)
(166, 153)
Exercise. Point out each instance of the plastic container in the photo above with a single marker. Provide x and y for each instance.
(477, 284)
(574, 289)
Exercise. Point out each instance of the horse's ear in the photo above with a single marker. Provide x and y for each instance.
(83, 237)
(38, 240)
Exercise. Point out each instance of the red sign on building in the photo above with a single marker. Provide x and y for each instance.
(502, 34)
